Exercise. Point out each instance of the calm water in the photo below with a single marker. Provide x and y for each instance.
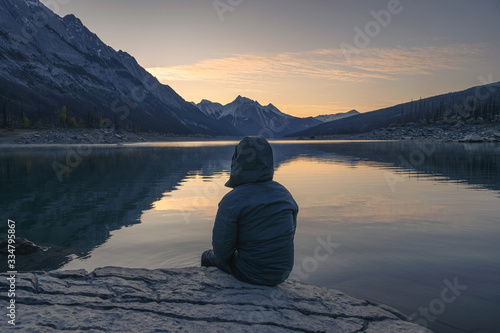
(403, 221)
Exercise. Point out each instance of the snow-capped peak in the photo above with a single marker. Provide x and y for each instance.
(33, 3)
(240, 99)
(64, 58)
(209, 108)
(206, 101)
(252, 118)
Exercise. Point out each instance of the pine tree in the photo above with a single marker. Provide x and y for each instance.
(72, 121)
(4, 113)
(26, 121)
(62, 115)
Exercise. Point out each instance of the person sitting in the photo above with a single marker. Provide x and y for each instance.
(255, 224)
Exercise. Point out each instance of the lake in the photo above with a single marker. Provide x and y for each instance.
(412, 225)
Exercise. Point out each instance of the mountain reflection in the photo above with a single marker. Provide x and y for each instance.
(113, 186)
(108, 190)
(474, 164)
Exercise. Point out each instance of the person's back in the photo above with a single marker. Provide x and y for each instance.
(255, 224)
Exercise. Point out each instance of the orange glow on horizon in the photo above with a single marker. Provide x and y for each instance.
(317, 82)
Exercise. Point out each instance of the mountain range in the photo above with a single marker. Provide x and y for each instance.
(252, 118)
(53, 70)
(48, 61)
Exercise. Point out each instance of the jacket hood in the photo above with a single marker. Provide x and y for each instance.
(252, 162)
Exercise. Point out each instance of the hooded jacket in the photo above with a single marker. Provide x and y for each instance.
(255, 223)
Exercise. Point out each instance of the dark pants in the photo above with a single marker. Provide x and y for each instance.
(209, 259)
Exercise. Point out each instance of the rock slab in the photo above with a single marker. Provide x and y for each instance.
(115, 299)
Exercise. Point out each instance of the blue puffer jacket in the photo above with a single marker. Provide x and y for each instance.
(256, 221)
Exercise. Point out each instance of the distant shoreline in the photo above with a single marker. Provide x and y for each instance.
(90, 136)
(412, 132)
(416, 132)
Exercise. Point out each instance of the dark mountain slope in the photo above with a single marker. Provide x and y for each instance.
(47, 61)
(477, 104)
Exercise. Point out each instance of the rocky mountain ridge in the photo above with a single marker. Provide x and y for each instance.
(48, 61)
(331, 117)
(252, 118)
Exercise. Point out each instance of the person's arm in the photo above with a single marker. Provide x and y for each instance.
(295, 220)
(225, 232)
(295, 213)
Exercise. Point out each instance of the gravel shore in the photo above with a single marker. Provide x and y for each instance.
(85, 136)
(458, 133)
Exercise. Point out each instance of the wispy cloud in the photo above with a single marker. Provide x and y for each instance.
(325, 64)
(417, 61)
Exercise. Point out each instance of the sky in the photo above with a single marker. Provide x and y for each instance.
(306, 57)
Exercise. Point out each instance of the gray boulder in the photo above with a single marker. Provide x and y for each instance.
(473, 138)
(22, 247)
(114, 299)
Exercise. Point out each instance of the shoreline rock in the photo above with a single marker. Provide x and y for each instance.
(114, 299)
(22, 246)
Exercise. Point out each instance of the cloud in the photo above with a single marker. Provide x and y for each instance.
(324, 64)
(417, 61)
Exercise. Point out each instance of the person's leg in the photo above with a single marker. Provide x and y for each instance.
(208, 259)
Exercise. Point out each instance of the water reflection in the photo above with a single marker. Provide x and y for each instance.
(171, 234)
(109, 190)
(113, 187)
(475, 164)
(406, 215)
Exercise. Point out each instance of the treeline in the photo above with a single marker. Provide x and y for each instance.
(23, 107)
(482, 105)
(16, 114)
(473, 106)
